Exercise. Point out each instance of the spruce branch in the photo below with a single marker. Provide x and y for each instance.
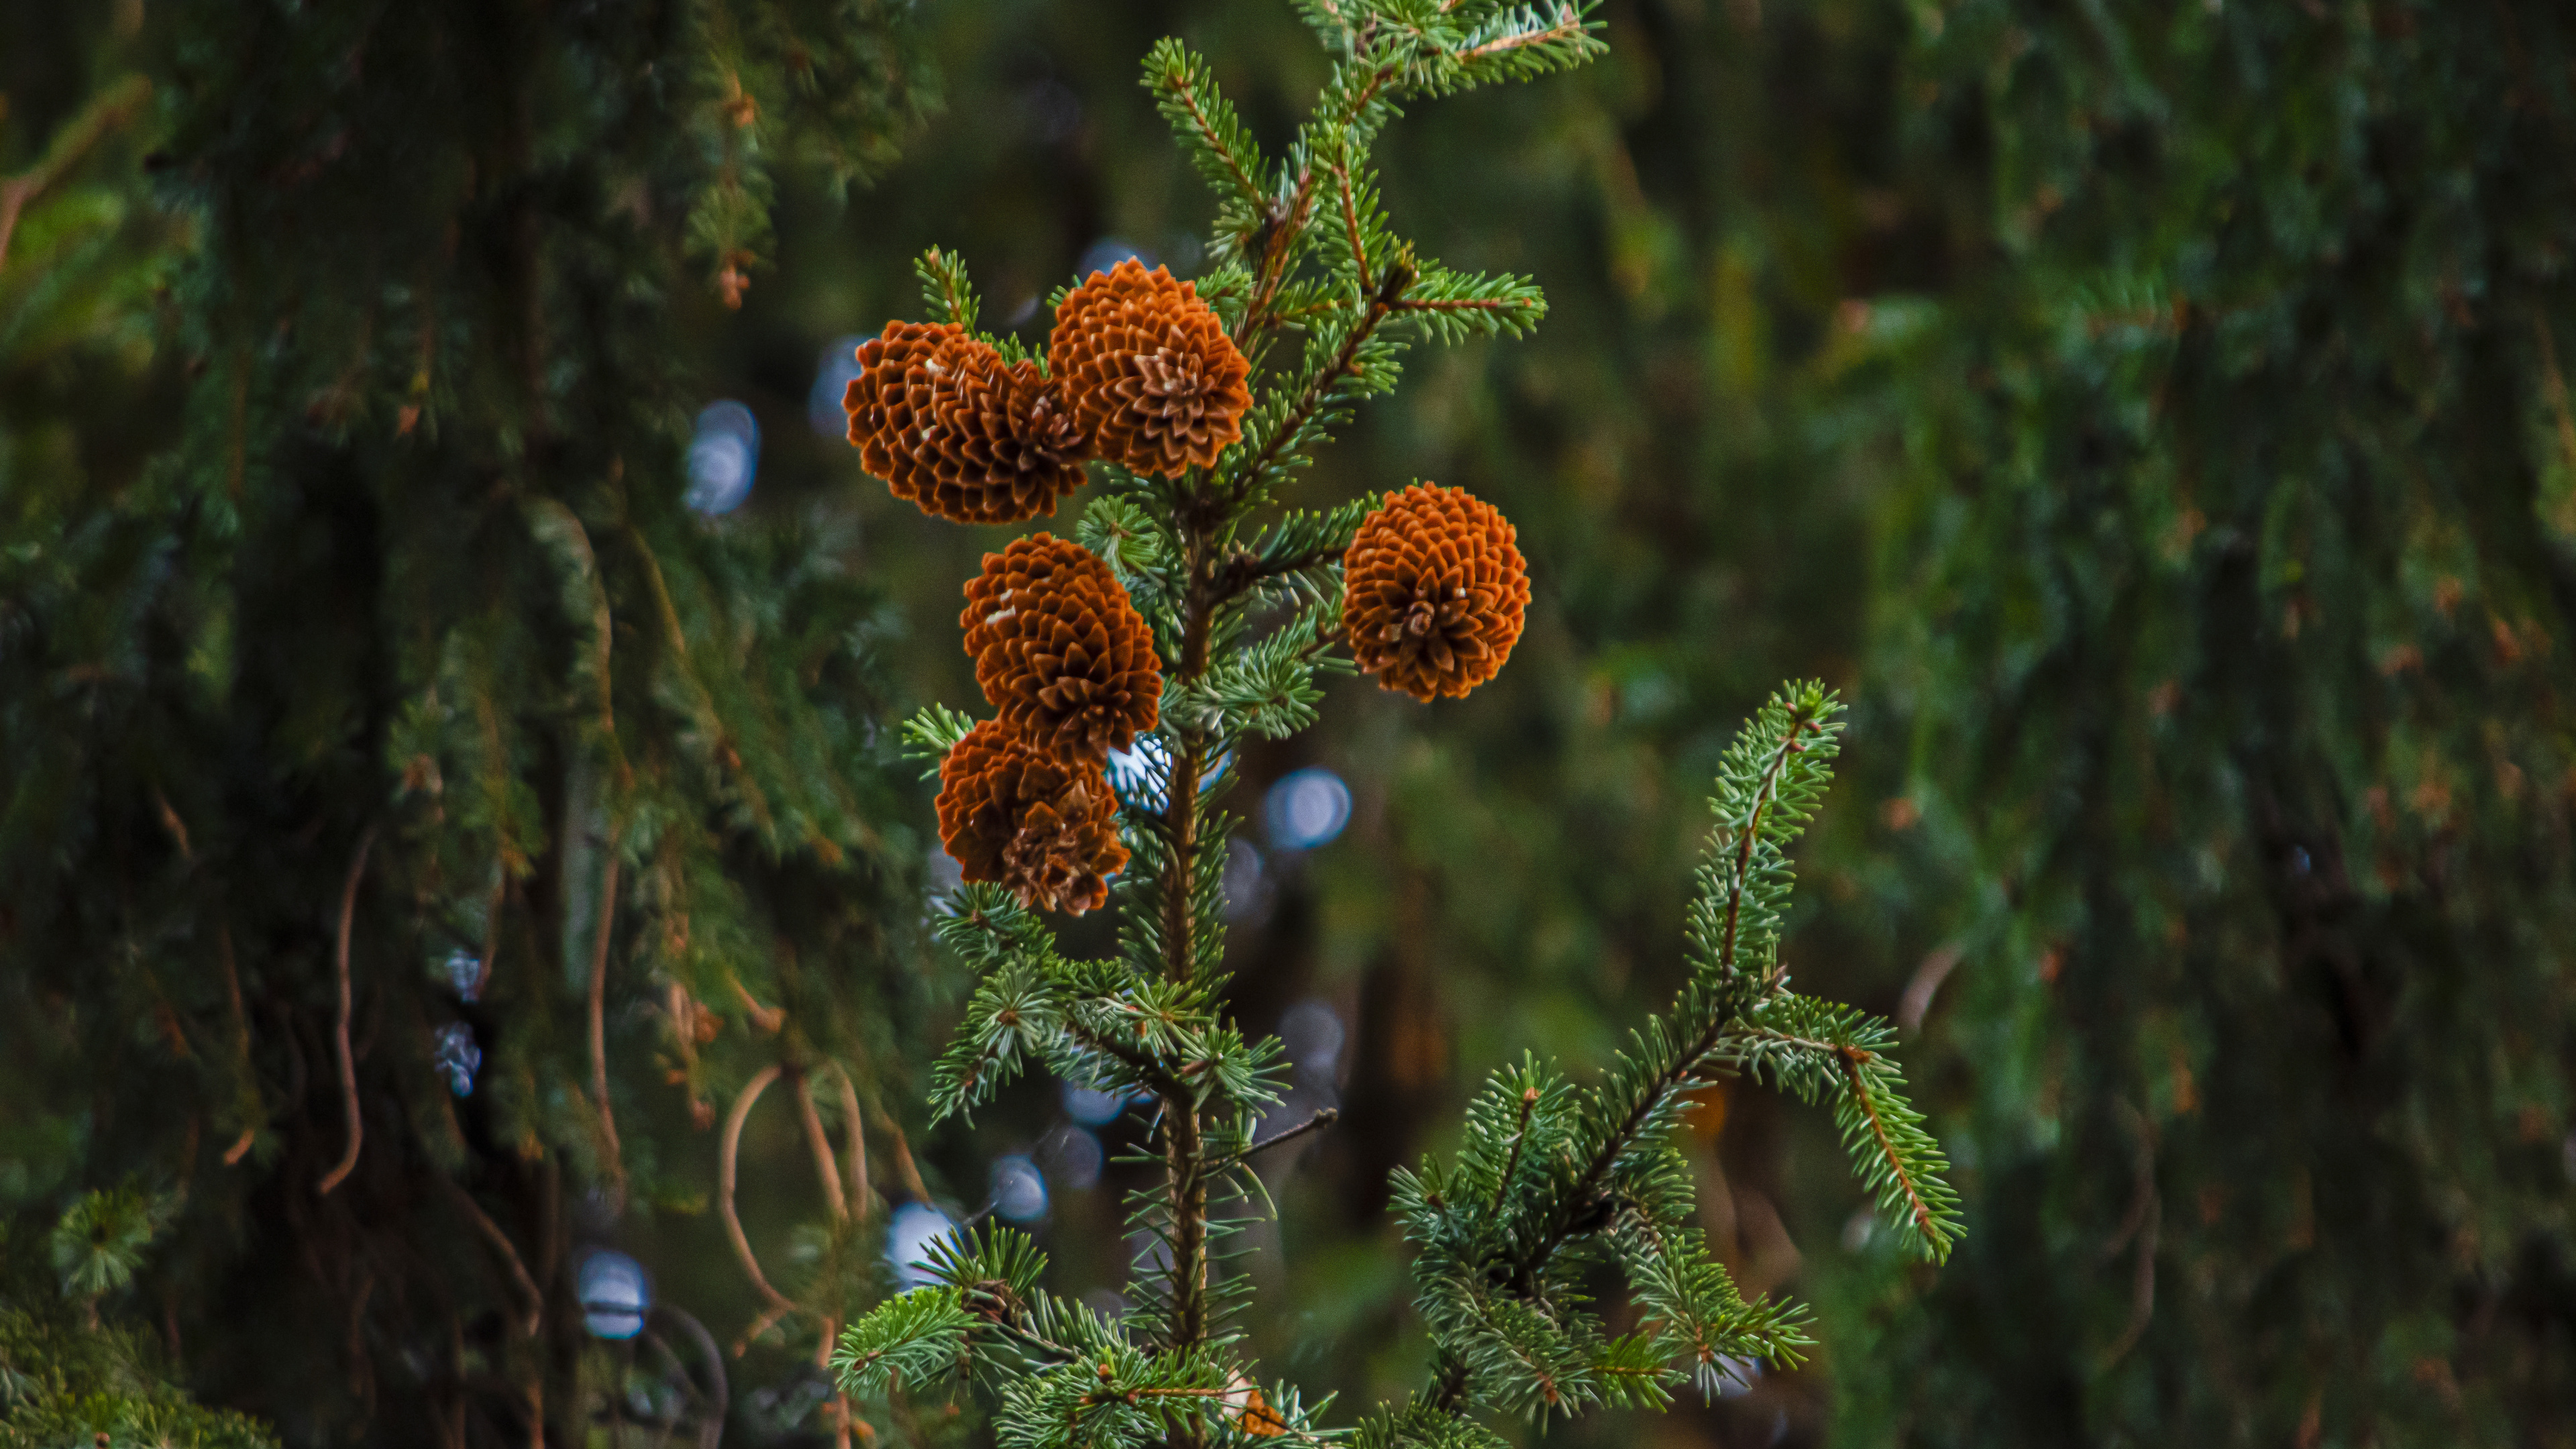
(1553, 1180)
(931, 733)
(1782, 749)
(945, 291)
(1321, 1118)
(1809, 1048)
(1185, 91)
(1280, 435)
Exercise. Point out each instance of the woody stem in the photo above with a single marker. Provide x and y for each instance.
(1184, 1144)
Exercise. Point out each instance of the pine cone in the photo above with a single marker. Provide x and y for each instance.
(1155, 381)
(1060, 650)
(1433, 592)
(1045, 829)
(964, 435)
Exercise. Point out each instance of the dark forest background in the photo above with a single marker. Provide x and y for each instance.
(2150, 415)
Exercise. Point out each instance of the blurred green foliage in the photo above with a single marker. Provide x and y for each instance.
(419, 815)
(66, 1378)
(2151, 416)
(2225, 587)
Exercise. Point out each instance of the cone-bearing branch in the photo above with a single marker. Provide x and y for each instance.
(1193, 411)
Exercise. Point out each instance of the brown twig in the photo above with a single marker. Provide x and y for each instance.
(903, 1164)
(340, 1038)
(1563, 28)
(767, 1320)
(599, 1031)
(492, 929)
(1456, 304)
(177, 827)
(509, 1252)
(853, 1125)
(839, 1408)
(1185, 1169)
(821, 1146)
(2145, 1221)
(1270, 269)
(728, 1154)
(1927, 978)
(768, 1018)
(241, 1034)
(1324, 1117)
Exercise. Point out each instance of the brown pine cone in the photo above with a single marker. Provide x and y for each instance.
(1154, 380)
(1046, 830)
(1060, 650)
(961, 433)
(1433, 592)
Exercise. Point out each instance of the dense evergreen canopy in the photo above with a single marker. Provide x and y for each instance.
(2151, 417)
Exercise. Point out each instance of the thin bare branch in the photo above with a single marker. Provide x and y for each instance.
(340, 1035)
(728, 1156)
(2145, 1222)
(1323, 1117)
(614, 1155)
(502, 1245)
(903, 1164)
(241, 1038)
(854, 1128)
(821, 1146)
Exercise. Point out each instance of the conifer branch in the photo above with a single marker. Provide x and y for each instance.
(1863, 1094)
(1186, 93)
(1289, 433)
(1550, 1179)
(1351, 227)
(1652, 1096)
(1322, 1118)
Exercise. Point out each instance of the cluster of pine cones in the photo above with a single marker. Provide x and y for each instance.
(1140, 373)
